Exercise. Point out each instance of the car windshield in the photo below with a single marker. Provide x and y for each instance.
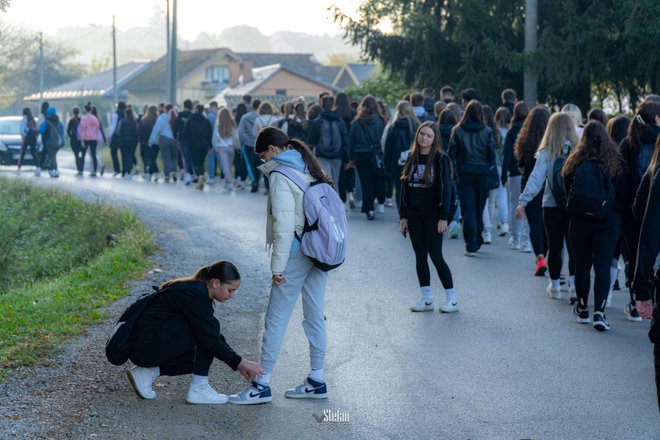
(10, 127)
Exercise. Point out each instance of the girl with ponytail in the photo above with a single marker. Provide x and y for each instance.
(292, 272)
(177, 334)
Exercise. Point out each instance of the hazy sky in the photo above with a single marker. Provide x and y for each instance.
(212, 16)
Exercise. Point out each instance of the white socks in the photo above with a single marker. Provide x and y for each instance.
(264, 379)
(156, 371)
(426, 293)
(451, 294)
(199, 379)
(317, 375)
(556, 284)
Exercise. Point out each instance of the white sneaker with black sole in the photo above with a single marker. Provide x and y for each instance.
(423, 305)
(600, 322)
(632, 314)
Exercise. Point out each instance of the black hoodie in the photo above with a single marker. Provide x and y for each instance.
(509, 161)
(198, 132)
(399, 138)
(637, 161)
(314, 132)
(647, 210)
(364, 138)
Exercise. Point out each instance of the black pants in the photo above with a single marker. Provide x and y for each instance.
(556, 227)
(29, 142)
(197, 159)
(630, 228)
(127, 153)
(172, 347)
(145, 154)
(114, 154)
(240, 166)
(472, 194)
(346, 182)
(92, 152)
(48, 157)
(426, 241)
(593, 245)
(534, 213)
(79, 151)
(373, 185)
(153, 159)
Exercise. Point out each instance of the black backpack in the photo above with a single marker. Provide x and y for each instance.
(118, 346)
(592, 194)
(54, 136)
(557, 185)
(329, 143)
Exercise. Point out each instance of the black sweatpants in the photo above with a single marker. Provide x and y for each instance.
(593, 245)
(114, 154)
(92, 151)
(30, 141)
(197, 159)
(534, 214)
(79, 151)
(346, 182)
(472, 194)
(556, 223)
(426, 241)
(127, 154)
(172, 347)
(373, 185)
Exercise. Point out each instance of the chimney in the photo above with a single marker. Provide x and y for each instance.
(234, 72)
(246, 70)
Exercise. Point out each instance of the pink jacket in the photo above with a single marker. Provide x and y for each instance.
(88, 129)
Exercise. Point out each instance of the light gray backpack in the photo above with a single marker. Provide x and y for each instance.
(324, 239)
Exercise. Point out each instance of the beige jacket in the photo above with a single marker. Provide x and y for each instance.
(284, 214)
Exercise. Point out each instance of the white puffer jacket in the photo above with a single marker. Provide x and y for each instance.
(285, 215)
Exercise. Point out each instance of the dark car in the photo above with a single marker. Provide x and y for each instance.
(10, 141)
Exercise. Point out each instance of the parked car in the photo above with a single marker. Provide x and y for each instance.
(10, 141)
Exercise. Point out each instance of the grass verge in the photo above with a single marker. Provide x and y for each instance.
(82, 272)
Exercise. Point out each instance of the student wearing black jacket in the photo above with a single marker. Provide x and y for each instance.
(346, 185)
(637, 149)
(177, 334)
(184, 143)
(198, 131)
(331, 162)
(127, 138)
(645, 284)
(424, 212)
(594, 170)
(76, 144)
(472, 151)
(365, 134)
(398, 141)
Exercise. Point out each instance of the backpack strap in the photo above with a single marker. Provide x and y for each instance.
(292, 175)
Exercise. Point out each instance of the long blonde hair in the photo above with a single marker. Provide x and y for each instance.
(561, 130)
(225, 123)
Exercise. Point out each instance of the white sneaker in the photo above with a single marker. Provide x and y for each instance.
(449, 305)
(187, 178)
(423, 305)
(37, 172)
(351, 200)
(553, 292)
(514, 244)
(229, 186)
(141, 380)
(527, 247)
(504, 229)
(210, 181)
(487, 237)
(204, 394)
(389, 203)
(381, 209)
(255, 394)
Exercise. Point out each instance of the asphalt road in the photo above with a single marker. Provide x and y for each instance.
(511, 364)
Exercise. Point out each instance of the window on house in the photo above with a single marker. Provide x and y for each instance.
(280, 92)
(217, 74)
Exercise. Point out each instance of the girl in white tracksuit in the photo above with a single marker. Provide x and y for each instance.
(292, 272)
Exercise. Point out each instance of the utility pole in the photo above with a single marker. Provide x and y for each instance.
(114, 62)
(530, 78)
(168, 93)
(41, 67)
(174, 56)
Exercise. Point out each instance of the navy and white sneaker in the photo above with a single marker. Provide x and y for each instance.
(582, 315)
(252, 395)
(600, 322)
(631, 313)
(310, 389)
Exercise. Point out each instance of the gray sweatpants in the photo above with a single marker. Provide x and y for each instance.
(300, 275)
(333, 168)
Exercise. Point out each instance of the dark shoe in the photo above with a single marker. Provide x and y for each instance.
(616, 285)
(255, 188)
(600, 322)
(371, 215)
(582, 315)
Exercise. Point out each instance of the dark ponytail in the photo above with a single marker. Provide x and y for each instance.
(221, 270)
(276, 137)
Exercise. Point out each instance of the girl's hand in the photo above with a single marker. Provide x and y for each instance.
(520, 212)
(278, 279)
(645, 309)
(403, 226)
(442, 226)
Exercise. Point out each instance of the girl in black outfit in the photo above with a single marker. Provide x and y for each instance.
(29, 134)
(472, 151)
(647, 287)
(366, 132)
(347, 173)
(637, 150)
(397, 143)
(127, 138)
(524, 150)
(593, 160)
(177, 334)
(424, 211)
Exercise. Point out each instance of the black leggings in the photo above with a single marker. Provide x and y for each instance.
(556, 228)
(31, 142)
(92, 152)
(176, 352)
(373, 185)
(423, 230)
(79, 151)
(593, 244)
(534, 213)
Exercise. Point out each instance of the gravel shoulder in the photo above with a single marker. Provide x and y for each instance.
(80, 395)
